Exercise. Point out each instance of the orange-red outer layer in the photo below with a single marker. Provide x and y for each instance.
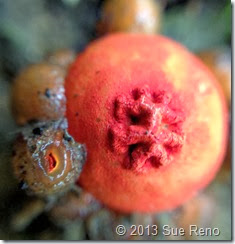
(117, 64)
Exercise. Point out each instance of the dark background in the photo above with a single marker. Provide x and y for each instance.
(30, 29)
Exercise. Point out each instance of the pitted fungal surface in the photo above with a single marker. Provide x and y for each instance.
(146, 129)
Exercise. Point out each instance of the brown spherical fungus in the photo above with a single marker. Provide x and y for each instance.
(130, 16)
(38, 93)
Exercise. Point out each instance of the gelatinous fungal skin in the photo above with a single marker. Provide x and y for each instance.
(153, 118)
(137, 16)
(38, 93)
(46, 159)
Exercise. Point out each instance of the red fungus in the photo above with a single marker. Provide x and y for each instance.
(153, 119)
(146, 129)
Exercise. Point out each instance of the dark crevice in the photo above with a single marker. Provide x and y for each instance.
(153, 161)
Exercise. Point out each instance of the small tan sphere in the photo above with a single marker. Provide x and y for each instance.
(141, 16)
(38, 93)
(62, 57)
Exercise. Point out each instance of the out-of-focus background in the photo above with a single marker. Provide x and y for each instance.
(29, 30)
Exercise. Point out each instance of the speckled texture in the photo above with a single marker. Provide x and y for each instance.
(119, 64)
(46, 160)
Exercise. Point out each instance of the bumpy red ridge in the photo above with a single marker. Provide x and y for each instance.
(146, 129)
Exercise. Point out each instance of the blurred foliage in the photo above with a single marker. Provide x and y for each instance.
(29, 29)
(200, 24)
